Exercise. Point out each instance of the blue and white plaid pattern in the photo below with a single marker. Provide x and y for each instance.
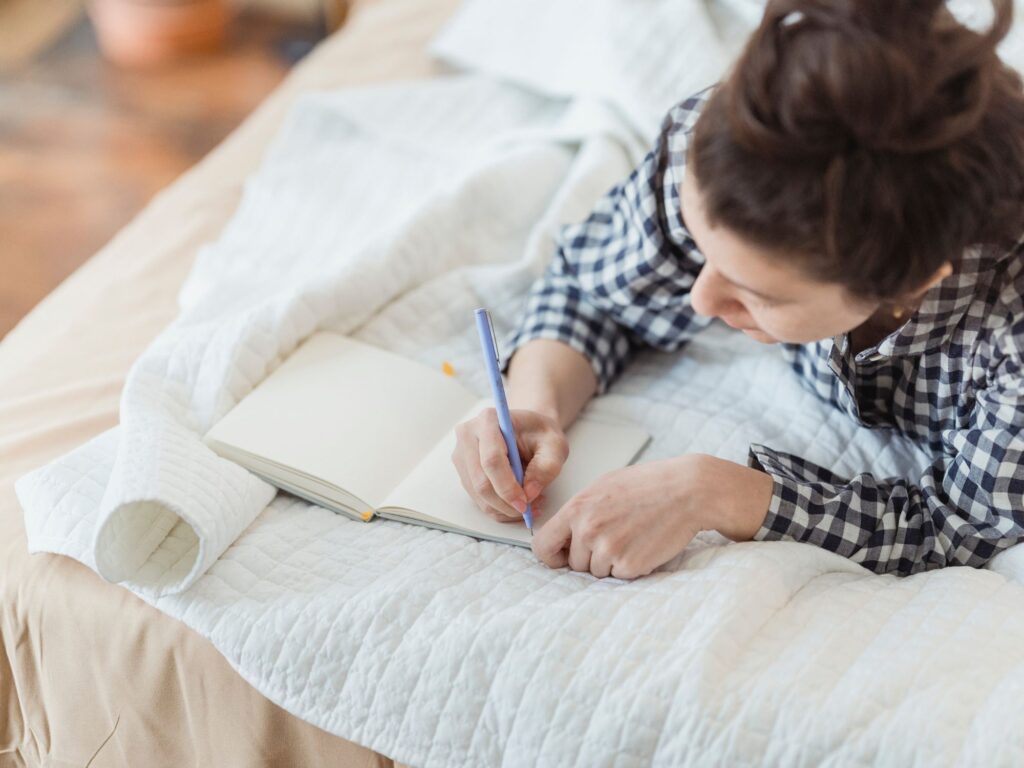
(951, 377)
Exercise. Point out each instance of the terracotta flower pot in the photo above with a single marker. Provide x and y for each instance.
(146, 32)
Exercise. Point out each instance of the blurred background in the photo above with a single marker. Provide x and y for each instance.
(104, 102)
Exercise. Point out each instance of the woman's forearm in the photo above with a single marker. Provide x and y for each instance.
(550, 377)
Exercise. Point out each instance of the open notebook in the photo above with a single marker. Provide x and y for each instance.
(367, 433)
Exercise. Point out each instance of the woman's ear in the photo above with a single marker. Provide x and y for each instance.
(938, 276)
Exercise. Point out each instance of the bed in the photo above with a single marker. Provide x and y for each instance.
(89, 671)
(397, 637)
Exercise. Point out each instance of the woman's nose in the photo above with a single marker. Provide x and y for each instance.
(709, 295)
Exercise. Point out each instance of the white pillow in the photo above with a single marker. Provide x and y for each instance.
(642, 56)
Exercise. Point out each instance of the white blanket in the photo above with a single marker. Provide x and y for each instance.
(390, 213)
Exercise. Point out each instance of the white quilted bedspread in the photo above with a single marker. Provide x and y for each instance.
(390, 213)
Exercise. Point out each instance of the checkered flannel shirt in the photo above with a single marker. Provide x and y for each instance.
(950, 377)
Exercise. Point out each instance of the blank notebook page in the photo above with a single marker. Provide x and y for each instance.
(353, 415)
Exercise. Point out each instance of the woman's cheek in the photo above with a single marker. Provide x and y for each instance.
(792, 328)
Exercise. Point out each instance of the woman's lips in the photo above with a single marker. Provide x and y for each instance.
(739, 327)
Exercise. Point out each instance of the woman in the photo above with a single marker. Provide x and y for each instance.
(853, 192)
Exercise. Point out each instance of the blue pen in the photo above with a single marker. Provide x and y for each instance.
(490, 346)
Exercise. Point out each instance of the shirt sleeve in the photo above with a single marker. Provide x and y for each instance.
(621, 278)
(965, 508)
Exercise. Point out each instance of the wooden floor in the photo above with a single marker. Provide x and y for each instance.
(84, 144)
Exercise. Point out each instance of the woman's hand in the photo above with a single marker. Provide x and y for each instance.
(630, 521)
(481, 458)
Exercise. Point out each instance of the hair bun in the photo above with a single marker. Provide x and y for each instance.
(826, 77)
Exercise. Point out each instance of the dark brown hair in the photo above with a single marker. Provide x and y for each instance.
(869, 140)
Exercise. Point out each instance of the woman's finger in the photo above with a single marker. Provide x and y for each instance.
(501, 517)
(495, 463)
(550, 541)
(600, 564)
(545, 464)
(579, 555)
(478, 485)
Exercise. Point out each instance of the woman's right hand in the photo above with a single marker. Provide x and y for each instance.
(481, 458)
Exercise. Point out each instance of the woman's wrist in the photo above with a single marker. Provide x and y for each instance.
(551, 378)
(736, 498)
(527, 391)
(536, 402)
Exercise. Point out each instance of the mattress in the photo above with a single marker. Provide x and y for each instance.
(89, 671)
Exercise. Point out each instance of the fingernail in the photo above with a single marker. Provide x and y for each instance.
(520, 506)
(532, 489)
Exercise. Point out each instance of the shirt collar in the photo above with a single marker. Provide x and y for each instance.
(941, 310)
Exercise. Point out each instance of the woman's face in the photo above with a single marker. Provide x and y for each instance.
(760, 293)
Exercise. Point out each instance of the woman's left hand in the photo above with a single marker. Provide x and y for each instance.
(630, 521)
